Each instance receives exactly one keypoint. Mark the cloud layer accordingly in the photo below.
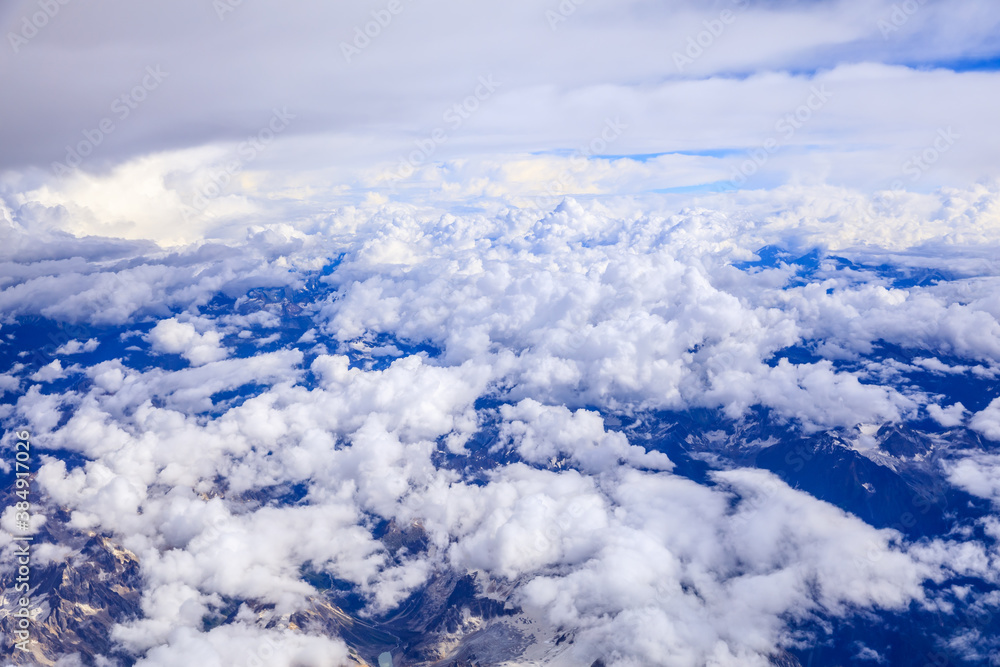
(225, 372)
(324, 300)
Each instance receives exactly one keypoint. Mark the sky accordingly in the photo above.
(325, 247)
(580, 98)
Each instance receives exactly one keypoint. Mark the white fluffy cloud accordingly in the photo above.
(50, 372)
(978, 474)
(544, 434)
(75, 346)
(245, 644)
(8, 383)
(987, 421)
(681, 577)
(567, 315)
(953, 415)
(173, 337)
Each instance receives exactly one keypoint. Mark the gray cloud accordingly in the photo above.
(226, 76)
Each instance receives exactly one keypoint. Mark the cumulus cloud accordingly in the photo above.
(545, 434)
(669, 572)
(75, 346)
(8, 383)
(549, 331)
(50, 372)
(979, 474)
(987, 421)
(953, 415)
(173, 337)
(245, 644)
